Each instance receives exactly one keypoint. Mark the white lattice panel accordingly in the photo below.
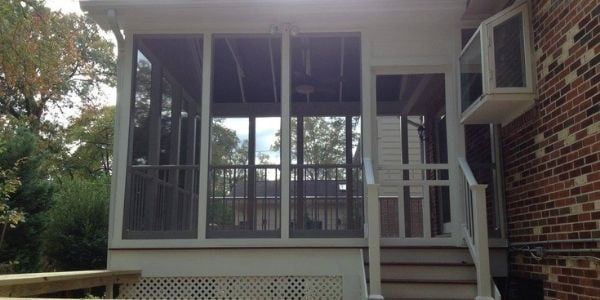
(235, 287)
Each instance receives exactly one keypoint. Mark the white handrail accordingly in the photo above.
(464, 166)
(397, 166)
(373, 230)
(475, 231)
(364, 275)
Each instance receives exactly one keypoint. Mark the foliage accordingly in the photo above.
(324, 142)
(31, 197)
(78, 219)
(9, 184)
(91, 135)
(49, 60)
(324, 139)
(46, 57)
(76, 238)
(220, 214)
(226, 147)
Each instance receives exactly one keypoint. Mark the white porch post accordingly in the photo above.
(285, 134)
(204, 134)
(456, 140)
(374, 242)
(368, 102)
(480, 234)
(121, 140)
(372, 197)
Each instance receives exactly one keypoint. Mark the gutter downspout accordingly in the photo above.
(111, 16)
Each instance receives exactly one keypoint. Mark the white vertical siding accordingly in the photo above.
(389, 149)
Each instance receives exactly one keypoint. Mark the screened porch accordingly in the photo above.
(220, 147)
(240, 174)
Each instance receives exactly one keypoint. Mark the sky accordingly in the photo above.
(266, 130)
(66, 6)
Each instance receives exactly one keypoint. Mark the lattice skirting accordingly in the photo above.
(235, 287)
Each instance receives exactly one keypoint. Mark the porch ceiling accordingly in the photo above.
(481, 9)
(412, 94)
(175, 55)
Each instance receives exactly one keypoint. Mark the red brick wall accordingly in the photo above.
(479, 155)
(551, 153)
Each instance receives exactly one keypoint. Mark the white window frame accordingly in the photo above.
(493, 22)
(490, 92)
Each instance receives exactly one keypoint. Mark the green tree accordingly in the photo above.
(91, 135)
(33, 197)
(9, 184)
(324, 141)
(226, 147)
(49, 58)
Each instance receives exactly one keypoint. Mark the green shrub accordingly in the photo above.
(77, 232)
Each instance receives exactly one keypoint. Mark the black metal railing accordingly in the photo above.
(326, 200)
(161, 202)
(244, 201)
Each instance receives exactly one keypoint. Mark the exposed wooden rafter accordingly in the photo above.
(239, 69)
(274, 81)
(197, 59)
(341, 84)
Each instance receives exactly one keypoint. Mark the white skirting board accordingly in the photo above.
(313, 271)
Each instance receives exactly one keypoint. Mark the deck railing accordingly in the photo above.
(475, 230)
(161, 202)
(244, 201)
(36, 284)
(415, 201)
(326, 200)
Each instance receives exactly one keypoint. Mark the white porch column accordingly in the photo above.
(456, 140)
(372, 232)
(480, 235)
(285, 133)
(121, 140)
(204, 134)
(368, 105)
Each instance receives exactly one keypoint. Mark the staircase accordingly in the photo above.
(427, 273)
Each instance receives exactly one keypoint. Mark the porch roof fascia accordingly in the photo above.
(406, 5)
(97, 8)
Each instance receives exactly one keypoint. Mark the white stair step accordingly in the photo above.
(417, 289)
(426, 255)
(436, 271)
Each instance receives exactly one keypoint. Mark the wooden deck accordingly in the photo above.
(31, 284)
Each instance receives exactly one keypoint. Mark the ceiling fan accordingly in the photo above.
(306, 84)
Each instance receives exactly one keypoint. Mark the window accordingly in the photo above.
(162, 176)
(496, 73)
(471, 79)
(244, 173)
(509, 53)
(141, 109)
(326, 198)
